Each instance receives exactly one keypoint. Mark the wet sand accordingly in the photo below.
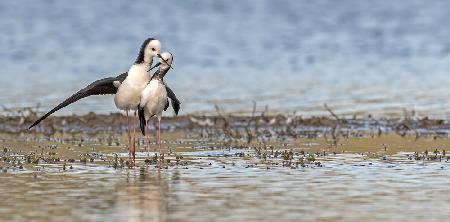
(225, 168)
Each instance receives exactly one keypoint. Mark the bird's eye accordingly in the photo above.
(153, 49)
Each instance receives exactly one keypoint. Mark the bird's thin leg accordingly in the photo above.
(159, 138)
(134, 139)
(147, 136)
(129, 136)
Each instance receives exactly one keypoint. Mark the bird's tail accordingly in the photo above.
(142, 122)
(176, 106)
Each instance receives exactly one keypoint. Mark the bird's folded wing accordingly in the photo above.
(167, 105)
(175, 102)
(99, 87)
(142, 122)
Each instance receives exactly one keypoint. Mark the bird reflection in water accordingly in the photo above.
(146, 196)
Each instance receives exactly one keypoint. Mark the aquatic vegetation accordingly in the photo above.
(289, 141)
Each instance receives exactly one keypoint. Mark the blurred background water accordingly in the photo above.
(377, 57)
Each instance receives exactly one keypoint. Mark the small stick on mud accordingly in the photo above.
(334, 128)
(247, 128)
(332, 113)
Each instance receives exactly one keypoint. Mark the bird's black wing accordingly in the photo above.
(175, 102)
(142, 122)
(99, 87)
(167, 105)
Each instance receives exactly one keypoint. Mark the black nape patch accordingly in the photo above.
(140, 58)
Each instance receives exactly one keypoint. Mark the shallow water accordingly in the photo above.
(356, 56)
(217, 186)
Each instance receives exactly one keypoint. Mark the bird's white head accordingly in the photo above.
(165, 63)
(150, 48)
(165, 60)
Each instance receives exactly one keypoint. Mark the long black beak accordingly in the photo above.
(159, 55)
(156, 65)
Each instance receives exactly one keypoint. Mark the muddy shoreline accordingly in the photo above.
(102, 138)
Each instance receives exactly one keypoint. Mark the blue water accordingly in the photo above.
(377, 57)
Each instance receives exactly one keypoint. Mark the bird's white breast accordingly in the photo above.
(154, 98)
(129, 92)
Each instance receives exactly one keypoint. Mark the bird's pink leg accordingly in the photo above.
(134, 140)
(159, 138)
(147, 136)
(129, 136)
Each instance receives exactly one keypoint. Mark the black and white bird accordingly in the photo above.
(155, 98)
(127, 86)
